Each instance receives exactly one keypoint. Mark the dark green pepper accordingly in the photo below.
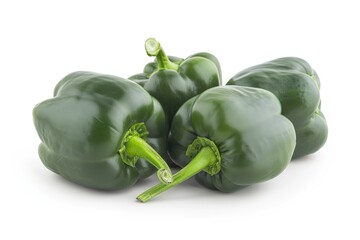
(172, 80)
(297, 86)
(96, 130)
(229, 137)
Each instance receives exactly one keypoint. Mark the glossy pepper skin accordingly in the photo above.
(172, 80)
(96, 130)
(229, 137)
(296, 84)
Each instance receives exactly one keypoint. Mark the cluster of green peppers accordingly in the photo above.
(107, 132)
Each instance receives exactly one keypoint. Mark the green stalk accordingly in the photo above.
(153, 48)
(136, 147)
(205, 158)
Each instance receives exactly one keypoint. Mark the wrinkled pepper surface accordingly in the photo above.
(101, 131)
(296, 84)
(229, 137)
(172, 80)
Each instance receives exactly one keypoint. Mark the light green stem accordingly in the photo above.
(138, 147)
(153, 48)
(206, 157)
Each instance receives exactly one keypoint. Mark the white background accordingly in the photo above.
(316, 197)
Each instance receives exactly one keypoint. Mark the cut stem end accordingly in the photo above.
(152, 47)
(165, 176)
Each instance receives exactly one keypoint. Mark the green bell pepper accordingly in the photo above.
(101, 131)
(297, 86)
(172, 80)
(229, 137)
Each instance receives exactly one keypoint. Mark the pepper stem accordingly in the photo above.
(206, 159)
(138, 147)
(153, 48)
(134, 147)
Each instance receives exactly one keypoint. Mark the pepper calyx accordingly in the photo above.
(195, 147)
(138, 130)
